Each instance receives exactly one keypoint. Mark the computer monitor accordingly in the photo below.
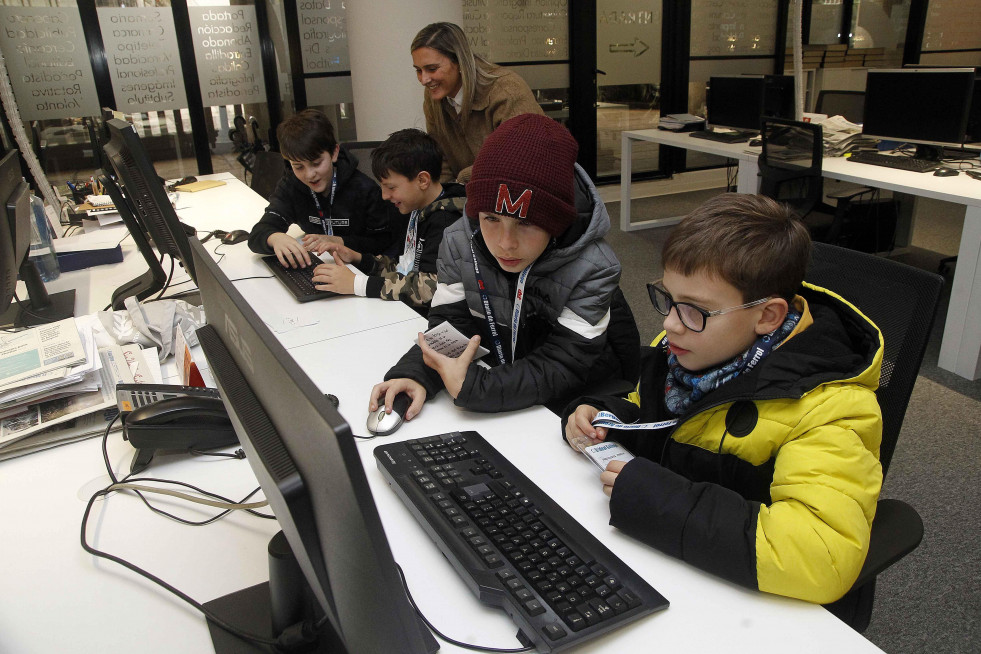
(973, 131)
(154, 279)
(741, 102)
(38, 307)
(146, 193)
(308, 465)
(924, 106)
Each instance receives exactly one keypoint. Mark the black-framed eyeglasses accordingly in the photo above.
(691, 316)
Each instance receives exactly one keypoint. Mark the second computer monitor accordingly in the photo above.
(146, 193)
(742, 101)
(924, 106)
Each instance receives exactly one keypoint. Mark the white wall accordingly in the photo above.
(386, 93)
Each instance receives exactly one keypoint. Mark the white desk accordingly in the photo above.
(960, 349)
(57, 598)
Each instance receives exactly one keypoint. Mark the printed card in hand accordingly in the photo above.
(448, 341)
(602, 453)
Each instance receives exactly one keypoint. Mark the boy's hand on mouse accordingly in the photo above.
(609, 476)
(343, 253)
(453, 372)
(333, 277)
(579, 431)
(389, 389)
(317, 243)
(289, 252)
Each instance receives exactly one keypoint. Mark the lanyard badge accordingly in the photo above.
(326, 223)
(519, 294)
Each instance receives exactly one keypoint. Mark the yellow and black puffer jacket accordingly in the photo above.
(770, 480)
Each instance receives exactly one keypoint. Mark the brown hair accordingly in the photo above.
(450, 41)
(306, 135)
(750, 241)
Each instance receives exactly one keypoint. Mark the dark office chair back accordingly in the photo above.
(790, 164)
(902, 301)
(267, 169)
(362, 152)
(850, 104)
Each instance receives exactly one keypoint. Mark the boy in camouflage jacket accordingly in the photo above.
(408, 164)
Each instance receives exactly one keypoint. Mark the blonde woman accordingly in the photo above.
(466, 96)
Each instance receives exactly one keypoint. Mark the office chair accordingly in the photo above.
(902, 301)
(267, 169)
(361, 150)
(850, 104)
(790, 171)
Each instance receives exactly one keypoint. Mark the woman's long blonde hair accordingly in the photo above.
(450, 41)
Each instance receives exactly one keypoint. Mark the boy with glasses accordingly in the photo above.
(756, 426)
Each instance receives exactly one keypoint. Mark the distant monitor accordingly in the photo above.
(973, 131)
(146, 193)
(742, 101)
(308, 465)
(15, 244)
(926, 106)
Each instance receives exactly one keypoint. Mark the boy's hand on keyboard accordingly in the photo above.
(453, 372)
(317, 243)
(288, 250)
(333, 277)
(609, 477)
(343, 253)
(579, 430)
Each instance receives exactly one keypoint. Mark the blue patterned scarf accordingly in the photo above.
(682, 387)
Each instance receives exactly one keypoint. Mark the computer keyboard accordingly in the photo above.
(522, 552)
(299, 281)
(723, 137)
(900, 162)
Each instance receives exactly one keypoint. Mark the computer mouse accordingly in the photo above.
(235, 236)
(383, 424)
(946, 172)
(754, 143)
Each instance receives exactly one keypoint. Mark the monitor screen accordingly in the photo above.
(929, 106)
(146, 193)
(736, 101)
(15, 232)
(308, 465)
(15, 245)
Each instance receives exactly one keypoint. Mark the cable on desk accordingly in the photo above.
(170, 276)
(163, 584)
(441, 635)
(191, 523)
(190, 498)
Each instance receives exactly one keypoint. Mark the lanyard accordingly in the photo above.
(519, 295)
(407, 262)
(610, 421)
(326, 223)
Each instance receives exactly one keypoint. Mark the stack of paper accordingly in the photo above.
(56, 387)
(841, 136)
(681, 122)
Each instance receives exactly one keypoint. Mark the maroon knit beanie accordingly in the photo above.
(525, 169)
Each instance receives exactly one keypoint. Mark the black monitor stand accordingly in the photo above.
(270, 609)
(41, 307)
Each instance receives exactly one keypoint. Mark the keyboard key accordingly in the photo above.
(553, 631)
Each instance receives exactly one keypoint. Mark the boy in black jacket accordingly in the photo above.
(327, 196)
(408, 164)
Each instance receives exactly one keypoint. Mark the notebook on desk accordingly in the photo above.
(298, 280)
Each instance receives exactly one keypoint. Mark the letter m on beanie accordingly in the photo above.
(518, 207)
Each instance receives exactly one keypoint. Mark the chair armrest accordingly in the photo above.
(896, 531)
